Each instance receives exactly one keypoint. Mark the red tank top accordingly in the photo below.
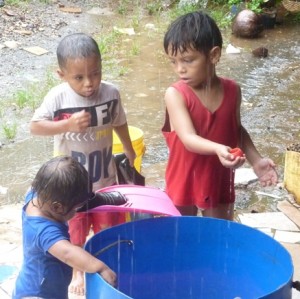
(201, 180)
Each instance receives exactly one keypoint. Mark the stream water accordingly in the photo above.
(270, 107)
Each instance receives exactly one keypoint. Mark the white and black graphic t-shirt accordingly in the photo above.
(92, 148)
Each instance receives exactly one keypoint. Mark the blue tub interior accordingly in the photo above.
(190, 257)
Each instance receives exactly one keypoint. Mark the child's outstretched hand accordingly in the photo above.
(109, 276)
(79, 121)
(266, 172)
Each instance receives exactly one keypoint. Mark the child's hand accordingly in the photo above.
(237, 156)
(236, 152)
(131, 156)
(79, 121)
(266, 172)
(230, 159)
(109, 276)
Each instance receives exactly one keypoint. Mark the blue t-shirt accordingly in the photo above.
(42, 275)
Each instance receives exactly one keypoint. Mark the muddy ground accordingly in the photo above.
(43, 25)
(37, 25)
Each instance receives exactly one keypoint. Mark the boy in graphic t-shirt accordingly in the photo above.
(81, 114)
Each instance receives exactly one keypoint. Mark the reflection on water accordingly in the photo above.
(270, 108)
(19, 164)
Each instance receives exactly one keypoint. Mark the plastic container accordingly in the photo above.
(137, 139)
(190, 258)
(292, 174)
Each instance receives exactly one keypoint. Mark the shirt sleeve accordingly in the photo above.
(51, 234)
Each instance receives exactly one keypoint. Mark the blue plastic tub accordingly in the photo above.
(190, 257)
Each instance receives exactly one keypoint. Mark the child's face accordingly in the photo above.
(83, 75)
(192, 67)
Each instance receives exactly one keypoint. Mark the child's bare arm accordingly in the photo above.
(123, 133)
(181, 123)
(78, 122)
(78, 258)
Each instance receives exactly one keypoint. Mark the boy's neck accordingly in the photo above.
(209, 84)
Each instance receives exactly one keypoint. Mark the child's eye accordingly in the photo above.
(78, 78)
(96, 74)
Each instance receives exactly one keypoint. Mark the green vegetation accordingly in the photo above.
(295, 18)
(135, 49)
(10, 130)
(254, 5)
(154, 7)
(30, 97)
(33, 94)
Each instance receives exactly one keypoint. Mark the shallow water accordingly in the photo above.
(270, 108)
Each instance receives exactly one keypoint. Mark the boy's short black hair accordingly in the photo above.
(74, 46)
(62, 179)
(195, 30)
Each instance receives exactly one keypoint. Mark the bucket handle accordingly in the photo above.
(296, 285)
(128, 242)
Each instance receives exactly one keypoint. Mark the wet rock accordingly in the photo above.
(11, 44)
(98, 11)
(9, 12)
(268, 18)
(244, 176)
(71, 9)
(247, 24)
(260, 52)
(232, 50)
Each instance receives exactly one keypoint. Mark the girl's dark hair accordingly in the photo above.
(62, 179)
(195, 30)
(74, 46)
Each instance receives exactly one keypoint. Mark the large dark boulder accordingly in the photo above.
(247, 24)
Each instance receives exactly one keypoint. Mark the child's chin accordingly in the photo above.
(87, 94)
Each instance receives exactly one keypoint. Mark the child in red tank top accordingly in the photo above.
(203, 124)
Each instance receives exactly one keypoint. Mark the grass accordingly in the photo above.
(30, 97)
(9, 130)
(135, 49)
(33, 94)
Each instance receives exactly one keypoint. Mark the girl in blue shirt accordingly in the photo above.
(60, 187)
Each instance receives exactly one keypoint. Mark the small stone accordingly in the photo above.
(260, 52)
(11, 44)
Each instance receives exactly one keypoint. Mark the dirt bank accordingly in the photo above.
(37, 25)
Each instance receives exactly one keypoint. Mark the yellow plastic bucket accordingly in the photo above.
(292, 174)
(137, 140)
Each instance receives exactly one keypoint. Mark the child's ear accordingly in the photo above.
(60, 74)
(215, 55)
(57, 207)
